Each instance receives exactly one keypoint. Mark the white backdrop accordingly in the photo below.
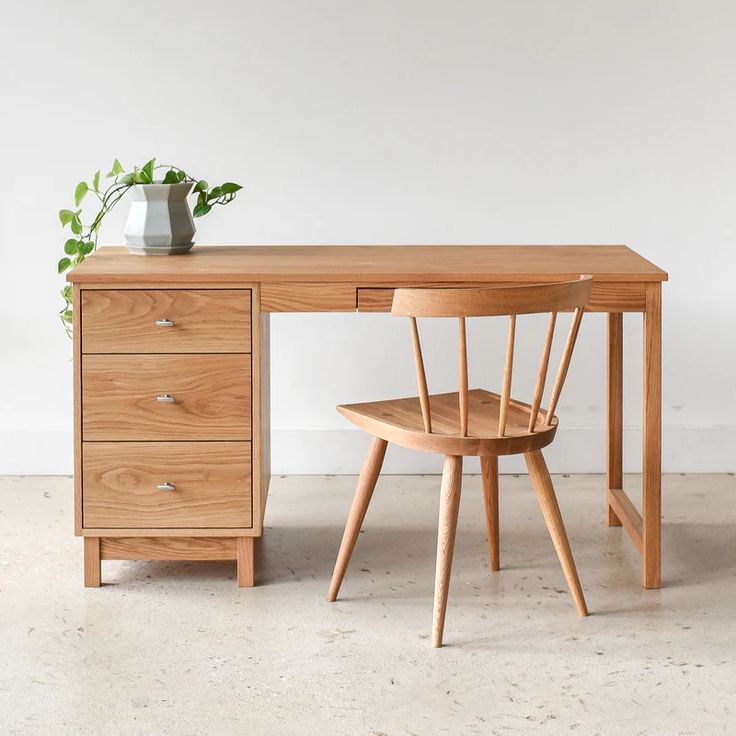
(387, 121)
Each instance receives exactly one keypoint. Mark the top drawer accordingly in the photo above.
(165, 321)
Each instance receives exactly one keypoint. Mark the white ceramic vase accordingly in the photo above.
(160, 221)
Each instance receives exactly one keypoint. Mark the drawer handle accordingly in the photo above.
(165, 323)
(166, 398)
(166, 486)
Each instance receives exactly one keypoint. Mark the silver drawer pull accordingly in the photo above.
(166, 486)
(167, 398)
(165, 323)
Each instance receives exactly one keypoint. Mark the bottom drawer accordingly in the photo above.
(166, 485)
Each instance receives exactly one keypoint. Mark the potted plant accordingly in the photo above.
(160, 221)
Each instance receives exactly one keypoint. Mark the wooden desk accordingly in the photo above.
(222, 293)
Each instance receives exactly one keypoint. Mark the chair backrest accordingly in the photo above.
(497, 301)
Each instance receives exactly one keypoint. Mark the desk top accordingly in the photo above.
(370, 264)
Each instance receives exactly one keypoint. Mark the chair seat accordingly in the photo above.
(400, 421)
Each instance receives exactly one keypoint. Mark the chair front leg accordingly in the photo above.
(449, 506)
(489, 473)
(551, 511)
(363, 493)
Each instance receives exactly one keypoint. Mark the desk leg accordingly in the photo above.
(652, 460)
(92, 565)
(615, 409)
(245, 550)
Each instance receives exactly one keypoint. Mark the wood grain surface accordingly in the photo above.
(168, 548)
(212, 484)
(370, 264)
(205, 321)
(212, 397)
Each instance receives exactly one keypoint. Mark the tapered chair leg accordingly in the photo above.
(548, 503)
(363, 493)
(449, 506)
(489, 473)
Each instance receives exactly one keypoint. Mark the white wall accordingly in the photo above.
(386, 122)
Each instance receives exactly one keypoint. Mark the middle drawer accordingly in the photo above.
(166, 397)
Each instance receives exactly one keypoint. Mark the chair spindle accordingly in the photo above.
(572, 336)
(421, 376)
(507, 371)
(542, 374)
(463, 382)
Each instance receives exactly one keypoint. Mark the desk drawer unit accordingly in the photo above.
(164, 425)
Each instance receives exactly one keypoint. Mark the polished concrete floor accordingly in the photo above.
(176, 648)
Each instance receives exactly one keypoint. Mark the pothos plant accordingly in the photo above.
(85, 233)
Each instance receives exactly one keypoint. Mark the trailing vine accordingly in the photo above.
(85, 234)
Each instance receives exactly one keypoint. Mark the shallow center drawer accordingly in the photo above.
(166, 484)
(166, 397)
(166, 320)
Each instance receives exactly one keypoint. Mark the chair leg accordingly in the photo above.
(449, 506)
(363, 493)
(548, 503)
(489, 472)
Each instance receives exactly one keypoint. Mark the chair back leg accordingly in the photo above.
(363, 493)
(548, 502)
(489, 473)
(449, 507)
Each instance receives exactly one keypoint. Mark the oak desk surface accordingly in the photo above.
(371, 264)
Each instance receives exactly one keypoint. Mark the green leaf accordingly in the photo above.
(201, 186)
(141, 177)
(128, 179)
(182, 175)
(96, 181)
(171, 177)
(201, 209)
(148, 169)
(80, 191)
(71, 246)
(230, 188)
(63, 264)
(86, 248)
(67, 316)
(68, 293)
(116, 169)
(215, 193)
(65, 216)
(76, 224)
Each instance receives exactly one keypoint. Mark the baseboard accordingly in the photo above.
(575, 450)
(36, 452)
(337, 451)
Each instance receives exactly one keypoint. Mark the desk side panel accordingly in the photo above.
(261, 357)
(77, 359)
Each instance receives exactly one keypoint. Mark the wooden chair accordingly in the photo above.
(471, 422)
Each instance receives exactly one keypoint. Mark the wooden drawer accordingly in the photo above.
(135, 321)
(120, 485)
(308, 297)
(121, 397)
(604, 297)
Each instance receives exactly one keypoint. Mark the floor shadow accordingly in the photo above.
(694, 553)
(126, 572)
